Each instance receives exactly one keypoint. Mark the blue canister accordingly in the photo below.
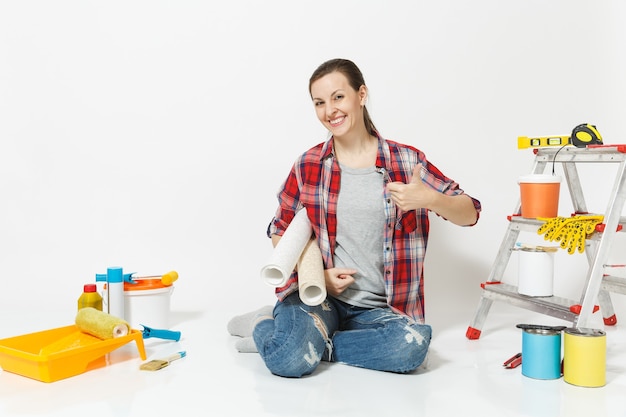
(541, 351)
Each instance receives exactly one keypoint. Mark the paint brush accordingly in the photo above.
(519, 246)
(156, 364)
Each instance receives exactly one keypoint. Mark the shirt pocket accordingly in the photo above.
(407, 223)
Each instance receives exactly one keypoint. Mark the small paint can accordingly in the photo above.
(535, 272)
(584, 357)
(541, 351)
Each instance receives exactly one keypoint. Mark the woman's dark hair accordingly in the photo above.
(355, 78)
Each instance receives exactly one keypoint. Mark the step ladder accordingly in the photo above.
(598, 285)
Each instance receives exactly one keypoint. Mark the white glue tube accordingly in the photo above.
(115, 289)
(287, 252)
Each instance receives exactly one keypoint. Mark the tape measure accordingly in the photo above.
(585, 134)
(582, 135)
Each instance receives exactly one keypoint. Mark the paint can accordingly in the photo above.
(539, 195)
(541, 351)
(147, 303)
(535, 272)
(584, 357)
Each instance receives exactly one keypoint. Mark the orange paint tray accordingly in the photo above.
(60, 353)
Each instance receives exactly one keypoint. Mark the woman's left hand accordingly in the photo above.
(411, 196)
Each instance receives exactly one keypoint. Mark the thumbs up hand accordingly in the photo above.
(414, 195)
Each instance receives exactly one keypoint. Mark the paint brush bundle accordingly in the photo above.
(100, 324)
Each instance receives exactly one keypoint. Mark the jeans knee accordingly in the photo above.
(418, 341)
(418, 334)
(297, 363)
(299, 352)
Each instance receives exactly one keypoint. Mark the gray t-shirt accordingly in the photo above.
(360, 223)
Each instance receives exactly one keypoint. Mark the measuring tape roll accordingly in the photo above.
(585, 134)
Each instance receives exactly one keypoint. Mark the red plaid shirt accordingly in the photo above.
(313, 183)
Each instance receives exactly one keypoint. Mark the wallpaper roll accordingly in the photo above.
(100, 324)
(311, 275)
(287, 252)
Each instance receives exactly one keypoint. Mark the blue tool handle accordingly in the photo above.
(129, 278)
(161, 334)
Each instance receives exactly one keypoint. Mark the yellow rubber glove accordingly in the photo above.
(571, 232)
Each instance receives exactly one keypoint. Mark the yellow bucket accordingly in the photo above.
(584, 357)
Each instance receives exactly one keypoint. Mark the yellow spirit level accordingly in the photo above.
(524, 142)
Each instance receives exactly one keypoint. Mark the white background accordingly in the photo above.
(153, 135)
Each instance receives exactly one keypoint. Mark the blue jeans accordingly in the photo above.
(301, 336)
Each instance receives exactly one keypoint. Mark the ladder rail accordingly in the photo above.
(611, 221)
(604, 297)
(495, 275)
(605, 153)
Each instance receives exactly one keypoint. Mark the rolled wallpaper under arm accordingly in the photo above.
(287, 252)
(297, 248)
(311, 275)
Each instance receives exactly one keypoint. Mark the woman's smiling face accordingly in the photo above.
(338, 106)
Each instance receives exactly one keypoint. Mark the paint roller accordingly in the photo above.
(100, 324)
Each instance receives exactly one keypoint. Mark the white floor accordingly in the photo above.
(463, 377)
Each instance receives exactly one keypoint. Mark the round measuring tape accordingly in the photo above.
(585, 134)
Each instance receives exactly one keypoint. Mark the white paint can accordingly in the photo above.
(535, 272)
(147, 303)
